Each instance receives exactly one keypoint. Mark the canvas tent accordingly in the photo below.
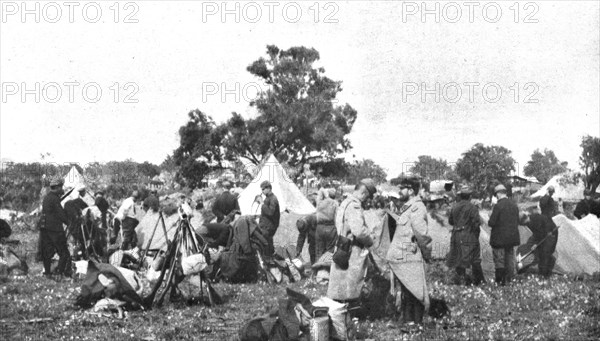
(72, 180)
(577, 250)
(563, 189)
(288, 194)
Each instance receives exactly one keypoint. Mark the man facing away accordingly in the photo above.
(225, 204)
(52, 233)
(464, 244)
(326, 232)
(346, 285)
(504, 222)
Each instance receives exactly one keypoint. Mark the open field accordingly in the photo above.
(561, 308)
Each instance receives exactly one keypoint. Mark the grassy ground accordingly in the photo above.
(529, 309)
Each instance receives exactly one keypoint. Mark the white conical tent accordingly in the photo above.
(563, 189)
(288, 194)
(72, 180)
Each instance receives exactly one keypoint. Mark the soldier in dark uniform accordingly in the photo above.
(74, 209)
(547, 204)
(269, 215)
(542, 227)
(465, 251)
(151, 202)
(307, 227)
(586, 206)
(52, 234)
(225, 204)
(504, 222)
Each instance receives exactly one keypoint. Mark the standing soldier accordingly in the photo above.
(326, 232)
(269, 216)
(225, 204)
(345, 284)
(464, 243)
(504, 222)
(547, 204)
(126, 219)
(52, 233)
(410, 247)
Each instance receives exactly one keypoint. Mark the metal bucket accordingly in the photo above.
(319, 328)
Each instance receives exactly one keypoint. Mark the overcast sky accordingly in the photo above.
(178, 56)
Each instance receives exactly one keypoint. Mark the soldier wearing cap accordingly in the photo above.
(52, 234)
(410, 237)
(464, 244)
(126, 218)
(346, 285)
(547, 204)
(225, 204)
(504, 222)
(269, 215)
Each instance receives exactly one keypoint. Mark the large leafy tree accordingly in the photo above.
(590, 161)
(431, 168)
(297, 119)
(482, 165)
(544, 165)
(365, 169)
(199, 150)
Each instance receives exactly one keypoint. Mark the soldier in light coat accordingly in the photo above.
(346, 285)
(410, 247)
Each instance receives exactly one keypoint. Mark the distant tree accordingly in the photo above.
(590, 161)
(199, 150)
(544, 165)
(336, 168)
(481, 165)
(148, 170)
(365, 169)
(297, 120)
(431, 168)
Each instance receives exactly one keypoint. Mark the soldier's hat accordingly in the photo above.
(499, 188)
(56, 182)
(370, 185)
(465, 189)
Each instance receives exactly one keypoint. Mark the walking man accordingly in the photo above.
(52, 233)
(504, 222)
(464, 244)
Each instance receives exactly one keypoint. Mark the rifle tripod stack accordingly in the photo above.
(185, 243)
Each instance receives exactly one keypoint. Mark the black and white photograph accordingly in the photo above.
(299, 170)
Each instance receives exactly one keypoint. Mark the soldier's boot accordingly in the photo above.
(459, 276)
(478, 277)
(501, 276)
